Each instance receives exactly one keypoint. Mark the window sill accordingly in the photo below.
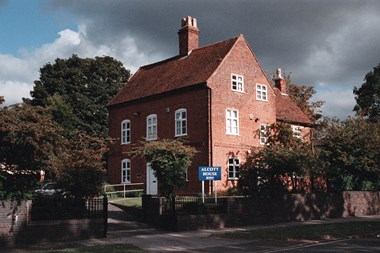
(182, 135)
(238, 91)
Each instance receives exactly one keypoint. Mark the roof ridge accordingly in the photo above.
(176, 57)
(219, 42)
(175, 72)
(229, 51)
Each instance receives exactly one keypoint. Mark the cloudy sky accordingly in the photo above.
(330, 44)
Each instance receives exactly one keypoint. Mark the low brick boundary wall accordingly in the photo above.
(357, 203)
(13, 218)
(39, 232)
(282, 208)
(17, 229)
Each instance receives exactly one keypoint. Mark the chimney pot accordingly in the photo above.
(280, 82)
(279, 73)
(188, 35)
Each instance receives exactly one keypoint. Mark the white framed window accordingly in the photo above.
(233, 168)
(261, 92)
(237, 83)
(297, 131)
(126, 171)
(125, 131)
(181, 122)
(151, 127)
(263, 134)
(232, 121)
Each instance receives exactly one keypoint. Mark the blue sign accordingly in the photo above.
(209, 173)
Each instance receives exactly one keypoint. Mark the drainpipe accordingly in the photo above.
(210, 163)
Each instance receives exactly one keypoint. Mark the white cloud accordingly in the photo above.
(18, 73)
(13, 91)
(339, 101)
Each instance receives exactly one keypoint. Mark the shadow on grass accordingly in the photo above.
(318, 232)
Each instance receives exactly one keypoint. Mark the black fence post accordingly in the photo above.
(172, 205)
(105, 215)
(173, 222)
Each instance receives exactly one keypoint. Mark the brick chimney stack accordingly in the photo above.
(188, 35)
(280, 82)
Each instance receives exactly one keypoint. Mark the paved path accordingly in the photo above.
(124, 230)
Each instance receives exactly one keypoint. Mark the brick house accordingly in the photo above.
(216, 96)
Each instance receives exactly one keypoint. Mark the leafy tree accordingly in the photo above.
(1, 100)
(301, 95)
(78, 90)
(84, 167)
(30, 141)
(368, 96)
(170, 160)
(268, 169)
(351, 150)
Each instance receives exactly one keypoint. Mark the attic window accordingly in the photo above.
(237, 83)
(261, 92)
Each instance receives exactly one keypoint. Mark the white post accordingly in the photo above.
(203, 191)
(216, 191)
(124, 190)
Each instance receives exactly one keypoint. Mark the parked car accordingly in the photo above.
(49, 189)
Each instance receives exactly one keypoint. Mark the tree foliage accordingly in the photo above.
(30, 141)
(78, 91)
(170, 160)
(302, 95)
(368, 96)
(267, 170)
(62, 129)
(351, 150)
(84, 166)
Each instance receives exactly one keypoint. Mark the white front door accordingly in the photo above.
(151, 181)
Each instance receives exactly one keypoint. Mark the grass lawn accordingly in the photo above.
(128, 202)
(311, 231)
(115, 248)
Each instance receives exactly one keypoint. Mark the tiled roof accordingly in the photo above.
(287, 110)
(194, 69)
(175, 73)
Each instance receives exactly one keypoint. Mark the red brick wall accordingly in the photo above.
(196, 103)
(16, 228)
(282, 208)
(357, 203)
(239, 61)
(13, 218)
